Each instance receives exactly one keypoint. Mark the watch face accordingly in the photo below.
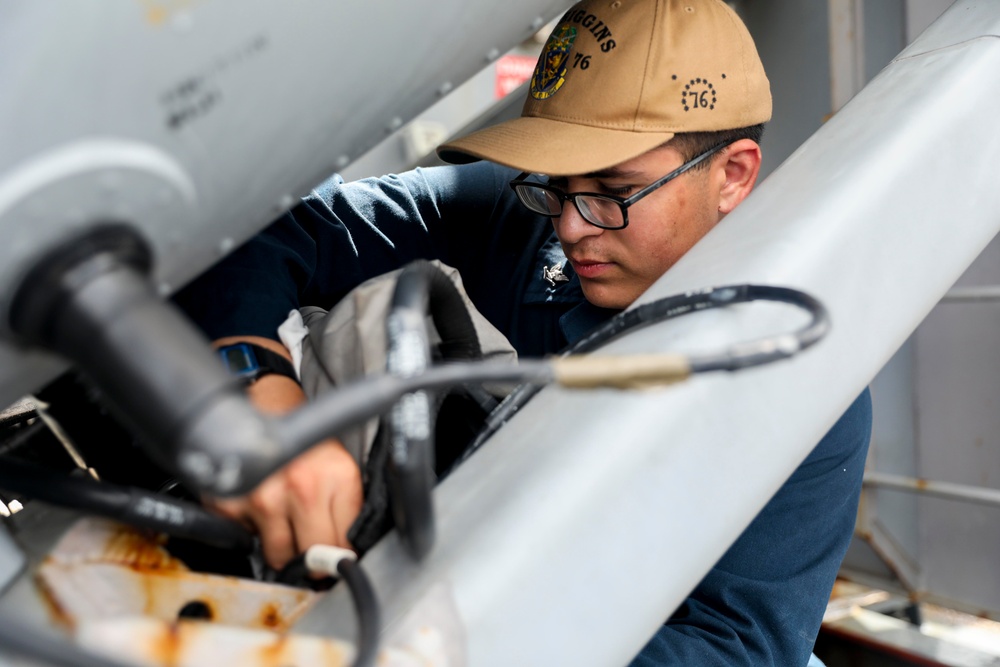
(239, 359)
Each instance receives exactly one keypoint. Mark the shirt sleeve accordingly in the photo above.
(763, 602)
(339, 236)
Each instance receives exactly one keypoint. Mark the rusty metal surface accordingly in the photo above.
(148, 641)
(101, 570)
(118, 592)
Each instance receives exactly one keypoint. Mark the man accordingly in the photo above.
(639, 134)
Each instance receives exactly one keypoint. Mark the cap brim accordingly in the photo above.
(545, 146)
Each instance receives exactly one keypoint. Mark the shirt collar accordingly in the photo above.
(554, 281)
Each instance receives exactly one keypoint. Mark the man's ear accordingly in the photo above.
(740, 164)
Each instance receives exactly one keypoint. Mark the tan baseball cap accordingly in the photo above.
(617, 78)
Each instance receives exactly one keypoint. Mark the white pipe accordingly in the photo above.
(966, 492)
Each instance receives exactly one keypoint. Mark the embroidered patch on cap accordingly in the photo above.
(550, 73)
(699, 94)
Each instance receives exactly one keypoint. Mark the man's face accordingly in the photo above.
(616, 266)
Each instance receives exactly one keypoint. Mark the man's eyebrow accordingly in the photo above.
(613, 172)
(610, 172)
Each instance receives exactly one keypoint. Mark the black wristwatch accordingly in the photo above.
(252, 362)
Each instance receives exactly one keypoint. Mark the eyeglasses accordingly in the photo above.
(604, 211)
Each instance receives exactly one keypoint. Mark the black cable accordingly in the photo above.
(336, 561)
(738, 356)
(132, 506)
(672, 307)
(335, 411)
(421, 289)
(410, 464)
(367, 609)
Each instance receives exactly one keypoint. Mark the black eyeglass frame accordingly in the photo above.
(622, 202)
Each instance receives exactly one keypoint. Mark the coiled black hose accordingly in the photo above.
(742, 355)
(421, 289)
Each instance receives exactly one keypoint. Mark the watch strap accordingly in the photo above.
(255, 361)
(272, 362)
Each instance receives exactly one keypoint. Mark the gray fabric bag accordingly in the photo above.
(349, 342)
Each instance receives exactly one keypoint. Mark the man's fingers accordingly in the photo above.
(323, 506)
(277, 541)
(312, 500)
(267, 508)
(312, 521)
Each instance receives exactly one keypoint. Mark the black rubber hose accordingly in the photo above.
(421, 288)
(367, 609)
(738, 356)
(426, 289)
(134, 507)
(771, 348)
(333, 412)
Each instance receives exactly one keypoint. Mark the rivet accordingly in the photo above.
(343, 161)
(285, 202)
(395, 124)
(445, 88)
(163, 289)
(537, 23)
(689, 9)
(225, 245)
(492, 55)
(616, 4)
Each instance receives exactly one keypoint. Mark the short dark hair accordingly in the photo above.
(692, 144)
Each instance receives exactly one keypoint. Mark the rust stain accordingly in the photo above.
(140, 552)
(166, 648)
(270, 617)
(921, 484)
(158, 12)
(58, 613)
(276, 654)
(156, 15)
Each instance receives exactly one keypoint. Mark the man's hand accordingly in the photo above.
(314, 499)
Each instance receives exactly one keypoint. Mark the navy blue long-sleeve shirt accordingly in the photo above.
(763, 602)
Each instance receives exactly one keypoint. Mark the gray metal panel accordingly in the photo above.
(533, 528)
(199, 122)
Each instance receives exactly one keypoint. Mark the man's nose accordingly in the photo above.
(570, 225)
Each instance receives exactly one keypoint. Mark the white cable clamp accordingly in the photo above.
(323, 558)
